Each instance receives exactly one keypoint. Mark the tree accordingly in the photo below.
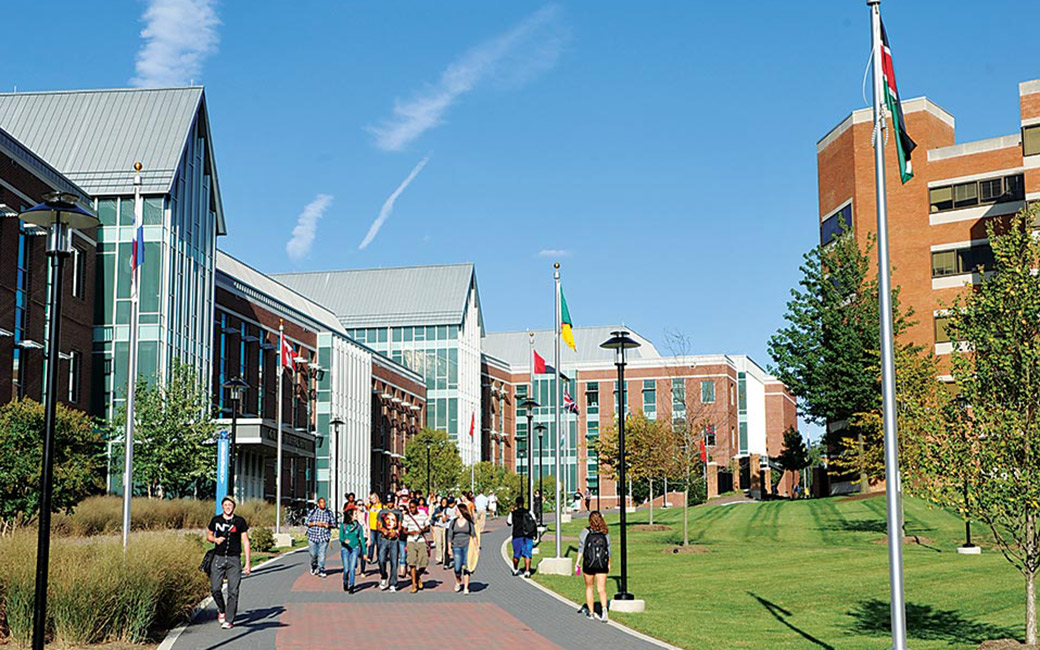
(996, 366)
(173, 432)
(505, 484)
(445, 461)
(829, 353)
(646, 449)
(794, 457)
(687, 434)
(79, 462)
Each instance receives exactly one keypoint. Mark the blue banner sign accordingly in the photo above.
(223, 458)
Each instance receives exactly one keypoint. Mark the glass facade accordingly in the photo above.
(742, 424)
(545, 395)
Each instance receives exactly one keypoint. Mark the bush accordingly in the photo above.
(103, 515)
(261, 539)
(96, 594)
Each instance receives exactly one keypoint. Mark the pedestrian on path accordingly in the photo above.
(351, 547)
(416, 525)
(230, 534)
(389, 526)
(463, 529)
(402, 547)
(492, 505)
(525, 529)
(372, 514)
(440, 527)
(594, 551)
(480, 506)
(320, 522)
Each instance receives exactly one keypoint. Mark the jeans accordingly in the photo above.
(229, 566)
(317, 551)
(402, 549)
(388, 560)
(373, 544)
(349, 557)
(459, 556)
(439, 542)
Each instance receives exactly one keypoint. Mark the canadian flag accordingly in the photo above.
(539, 363)
(288, 354)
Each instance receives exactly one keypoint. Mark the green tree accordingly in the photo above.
(505, 484)
(445, 461)
(646, 448)
(794, 457)
(79, 461)
(996, 366)
(173, 432)
(829, 354)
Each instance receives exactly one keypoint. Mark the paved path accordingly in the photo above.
(286, 608)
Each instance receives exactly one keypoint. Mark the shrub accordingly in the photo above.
(103, 515)
(261, 539)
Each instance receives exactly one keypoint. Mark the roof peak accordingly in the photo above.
(97, 90)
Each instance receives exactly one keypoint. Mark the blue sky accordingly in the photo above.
(668, 151)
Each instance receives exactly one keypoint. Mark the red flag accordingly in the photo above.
(704, 452)
(288, 354)
(472, 421)
(539, 364)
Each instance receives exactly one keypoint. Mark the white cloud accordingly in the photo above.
(554, 252)
(514, 57)
(178, 36)
(299, 245)
(388, 205)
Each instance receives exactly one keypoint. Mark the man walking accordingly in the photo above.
(320, 522)
(525, 529)
(230, 533)
(440, 526)
(389, 526)
(416, 524)
(481, 504)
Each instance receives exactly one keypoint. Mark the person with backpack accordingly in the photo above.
(389, 534)
(525, 529)
(351, 547)
(230, 534)
(594, 551)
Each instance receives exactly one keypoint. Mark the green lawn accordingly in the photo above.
(808, 574)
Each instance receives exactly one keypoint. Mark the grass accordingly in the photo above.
(808, 575)
(103, 515)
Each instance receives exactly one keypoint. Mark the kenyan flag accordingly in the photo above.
(904, 145)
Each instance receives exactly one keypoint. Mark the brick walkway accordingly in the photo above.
(284, 607)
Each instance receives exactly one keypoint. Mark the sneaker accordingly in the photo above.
(584, 610)
(322, 574)
(415, 589)
(603, 618)
(226, 625)
(516, 572)
(589, 615)
(458, 587)
(466, 591)
(382, 585)
(314, 571)
(220, 617)
(346, 588)
(527, 574)
(393, 587)
(421, 585)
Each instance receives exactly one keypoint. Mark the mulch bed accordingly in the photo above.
(1005, 644)
(686, 550)
(651, 527)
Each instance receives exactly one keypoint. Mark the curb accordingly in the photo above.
(563, 599)
(174, 634)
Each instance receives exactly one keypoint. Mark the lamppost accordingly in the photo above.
(59, 213)
(429, 479)
(968, 547)
(237, 388)
(529, 405)
(334, 462)
(540, 428)
(619, 341)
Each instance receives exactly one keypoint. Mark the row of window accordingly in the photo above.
(971, 259)
(373, 335)
(971, 193)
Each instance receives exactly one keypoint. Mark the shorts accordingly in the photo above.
(589, 572)
(417, 555)
(523, 547)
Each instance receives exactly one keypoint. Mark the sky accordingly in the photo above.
(664, 156)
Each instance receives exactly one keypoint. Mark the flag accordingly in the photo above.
(137, 247)
(539, 363)
(704, 452)
(472, 423)
(565, 323)
(568, 402)
(288, 359)
(904, 145)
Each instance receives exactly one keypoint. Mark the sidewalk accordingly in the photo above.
(284, 607)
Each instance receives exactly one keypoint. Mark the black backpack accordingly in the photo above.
(596, 558)
(529, 526)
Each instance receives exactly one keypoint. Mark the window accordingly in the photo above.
(1031, 140)
(678, 397)
(78, 272)
(592, 397)
(75, 368)
(650, 398)
(971, 193)
(962, 260)
(836, 224)
(707, 392)
(942, 335)
(709, 435)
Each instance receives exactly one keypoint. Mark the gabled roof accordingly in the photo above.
(94, 137)
(514, 347)
(391, 297)
(38, 167)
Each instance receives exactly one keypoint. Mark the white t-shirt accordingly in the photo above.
(413, 524)
(481, 502)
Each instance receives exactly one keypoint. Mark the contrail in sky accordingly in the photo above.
(388, 206)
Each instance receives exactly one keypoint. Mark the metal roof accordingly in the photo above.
(23, 156)
(94, 137)
(391, 297)
(514, 349)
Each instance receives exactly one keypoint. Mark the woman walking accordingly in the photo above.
(462, 529)
(351, 547)
(594, 551)
(374, 506)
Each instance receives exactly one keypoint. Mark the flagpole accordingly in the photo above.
(472, 450)
(530, 437)
(278, 462)
(893, 488)
(131, 382)
(559, 399)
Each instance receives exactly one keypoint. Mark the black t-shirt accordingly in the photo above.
(232, 530)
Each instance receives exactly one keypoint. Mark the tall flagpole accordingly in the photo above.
(893, 490)
(131, 381)
(559, 400)
(530, 437)
(278, 462)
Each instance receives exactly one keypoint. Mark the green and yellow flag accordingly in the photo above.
(565, 322)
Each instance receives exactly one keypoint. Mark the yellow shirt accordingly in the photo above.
(373, 516)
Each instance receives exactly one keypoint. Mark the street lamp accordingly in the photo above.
(540, 428)
(620, 341)
(334, 462)
(968, 547)
(59, 213)
(529, 405)
(429, 481)
(237, 388)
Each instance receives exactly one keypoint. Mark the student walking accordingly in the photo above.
(440, 527)
(416, 524)
(320, 522)
(389, 527)
(594, 551)
(372, 514)
(525, 529)
(402, 546)
(230, 534)
(463, 528)
(351, 547)
(480, 506)
(492, 505)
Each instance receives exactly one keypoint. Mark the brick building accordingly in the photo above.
(24, 269)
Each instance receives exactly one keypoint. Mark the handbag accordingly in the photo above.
(207, 561)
